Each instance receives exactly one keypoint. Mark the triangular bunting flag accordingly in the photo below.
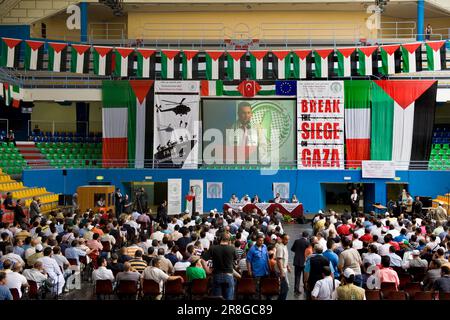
(234, 64)
(102, 60)
(344, 61)
(256, 64)
(10, 54)
(365, 60)
(122, 61)
(168, 63)
(34, 52)
(57, 55)
(79, 58)
(144, 62)
(187, 63)
(212, 64)
(410, 54)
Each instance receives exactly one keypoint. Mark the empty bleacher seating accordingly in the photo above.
(11, 161)
(71, 155)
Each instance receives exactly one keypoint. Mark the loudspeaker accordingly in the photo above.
(61, 200)
(64, 172)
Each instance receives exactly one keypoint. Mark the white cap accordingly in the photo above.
(39, 247)
(348, 272)
(416, 253)
(186, 211)
(215, 210)
(211, 211)
(320, 211)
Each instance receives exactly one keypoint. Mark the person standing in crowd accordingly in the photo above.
(161, 214)
(258, 260)
(223, 256)
(350, 258)
(354, 202)
(35, 209)
(118, 202)
(282, 267)
(417, 207)
(324, 288)
(314, 269)
(299, 248)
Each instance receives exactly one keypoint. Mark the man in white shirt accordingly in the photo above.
(156, 274)
(371, 257)
(158, 235)
(53, 271)
(396, 260)
(102, 273)
(323, 289)
(10, 255)
(15, 280)
(36, 274)
(204, 240)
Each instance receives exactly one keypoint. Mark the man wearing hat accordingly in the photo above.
(416, 261)
(31, 260)
(347, 290)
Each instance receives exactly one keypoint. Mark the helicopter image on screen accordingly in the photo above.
(179, 108)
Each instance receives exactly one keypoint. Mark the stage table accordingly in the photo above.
(295, 210)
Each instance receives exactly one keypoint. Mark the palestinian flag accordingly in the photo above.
(144, 57)
(212, 59)
(357, 121)
(102, 60)
(257, 64)
(125, 122)
(168, 63)
(211, 88)
(2, 93)
(248, 88)
(122, 66)
(323, 60)
(34, 54)
(139, 105)
(7, 94)
(412, 57)
(435, 55)
(366, 60)
(301, 67)
(187, 57)
(57, 55)
(388, 59)
(235, 63)
(345, 61)
(79, 62)
(402, 120)
(10, 53)
(283, 63)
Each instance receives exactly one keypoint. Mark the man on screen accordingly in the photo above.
(250, 138)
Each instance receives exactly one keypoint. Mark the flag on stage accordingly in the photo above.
(256, 64)
(286, 87)
(322, 62)
(212, 64)
(388, 59)
(187, 59)
(365, 60)
(168, 63)
(122, 65)
(283, 63)
(344, 56)
(411, 55)
(234, 64)
(435, 55)
(211, 88)
(300, 64)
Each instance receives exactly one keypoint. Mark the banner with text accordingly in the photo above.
(378, 169)
(173, 196)
(320, 124)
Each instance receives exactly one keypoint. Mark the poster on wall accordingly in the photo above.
(176, 124)
(320, 124)
(282, 188)
(214, 190)
(378, 169)
(197, 185)
(173, 196)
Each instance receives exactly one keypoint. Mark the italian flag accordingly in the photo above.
(168, 63)
(357, 121)
(248, 88)
(102, 60)
(10, 56)
(365, 60)
(234, 64)
(125, 119)
(435, 55)
(187, 58)
(283, 64)
(143, 62)
(57, 53)
(122, 61)
(321, 60)
(34, 51)
(212, 64)
(211, 88)
(256, 64)
(388, 59)
(344, 61)
(79, 62)
(402, 120)
(411, 53)
(300, 66)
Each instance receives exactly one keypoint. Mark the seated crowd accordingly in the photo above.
(230, 255)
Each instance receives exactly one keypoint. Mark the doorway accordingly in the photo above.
(394, 191)
(337, 196)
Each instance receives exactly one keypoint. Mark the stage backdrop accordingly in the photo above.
(320, 124)
(176, 124)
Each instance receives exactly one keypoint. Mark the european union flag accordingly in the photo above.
(286, 87)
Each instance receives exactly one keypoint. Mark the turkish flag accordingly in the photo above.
(249, 88)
